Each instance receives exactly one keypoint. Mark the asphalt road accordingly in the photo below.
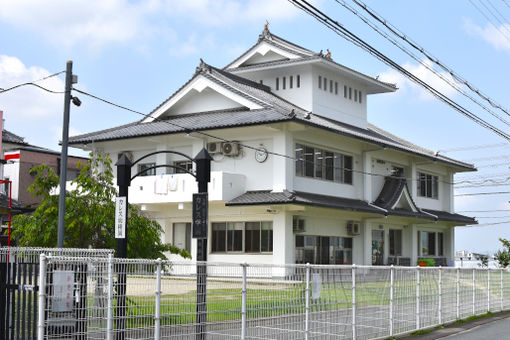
(499, 329)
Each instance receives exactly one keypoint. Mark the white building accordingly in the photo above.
(330, 188)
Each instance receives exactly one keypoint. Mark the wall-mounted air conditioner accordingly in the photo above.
(230, 148)
(214, 147)
(353, 228)
(298, 224)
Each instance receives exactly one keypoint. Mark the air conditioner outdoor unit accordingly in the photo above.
(214, 147)
(298, 224)
(353, 228)
(230, 148)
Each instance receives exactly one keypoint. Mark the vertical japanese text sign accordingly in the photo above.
(120, 217)
(200, 214)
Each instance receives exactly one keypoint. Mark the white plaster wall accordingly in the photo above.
(11, 171)
(207, 100)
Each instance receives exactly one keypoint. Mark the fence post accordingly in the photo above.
(243, 303)
(353, 273)
(392, 282)
(417, 297)
(457, 303)
(157, 316)
(109, 311)
(488, 290)
(474, 291)
(307, 301)
(42, 296)
(440, 297)
(501, 286)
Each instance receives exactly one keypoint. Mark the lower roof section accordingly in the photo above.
(267, 197)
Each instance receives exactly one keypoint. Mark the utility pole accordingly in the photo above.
(63, 156)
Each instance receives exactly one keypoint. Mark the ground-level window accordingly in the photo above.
(144, 169)
(248, 237)
(323, 249)
(431, 243)
(395, 242)
(182, 235)
(427, 185)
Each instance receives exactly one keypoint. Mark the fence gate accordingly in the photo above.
(19, 277)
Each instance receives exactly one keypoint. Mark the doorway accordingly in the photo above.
(377, 247)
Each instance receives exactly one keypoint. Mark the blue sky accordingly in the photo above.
(137, 53)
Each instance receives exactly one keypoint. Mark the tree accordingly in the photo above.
(503, 255)
(90, 214)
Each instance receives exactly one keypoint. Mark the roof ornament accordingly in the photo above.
(328, 55)
(265, 33)
(203, 67)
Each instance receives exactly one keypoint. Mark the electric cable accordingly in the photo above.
(489, 20)
(343, 32)
(32, 83)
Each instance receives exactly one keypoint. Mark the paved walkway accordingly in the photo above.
(453, 331)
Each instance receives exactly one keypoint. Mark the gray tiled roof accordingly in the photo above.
(449, 217)
(9, 137)
(275, 109)
(264, 197)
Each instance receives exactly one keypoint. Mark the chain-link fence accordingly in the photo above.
(19, 278)
(107, 298)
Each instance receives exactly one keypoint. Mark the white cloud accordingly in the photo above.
(28, 111)
(423, 73)
(497, 36)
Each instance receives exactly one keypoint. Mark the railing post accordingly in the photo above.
(42, 297)
(307, 301)
(417, 297)
(392, 282)
(457, 303)
(157, 314)
(488, 290)
(440, 297)
(501, 287)
(109, 310)
(474, 291)
(243, 303)
(353, 273)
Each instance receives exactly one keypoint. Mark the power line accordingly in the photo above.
(489, 20)
(474, 147)
(494, 15)
(346, 34)
(482, 211)
(194, 130)
(483, 224)
(490, 158)
(32, 83)
(394, 30)
(484, 193)
(444, 78)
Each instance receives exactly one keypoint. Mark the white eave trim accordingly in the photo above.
(263, 48)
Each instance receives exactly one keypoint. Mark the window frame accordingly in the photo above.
(143, 166)
(220, 236)
(427, 185)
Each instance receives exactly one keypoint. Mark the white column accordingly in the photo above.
(367, 178)
(283, 168)
(283, 238)
(367, 243)
(413, 243)
(412, 181)
(163, 158)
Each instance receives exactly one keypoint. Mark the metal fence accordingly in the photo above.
(19, 277)
(79, 298)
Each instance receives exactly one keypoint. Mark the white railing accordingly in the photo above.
(250, 301)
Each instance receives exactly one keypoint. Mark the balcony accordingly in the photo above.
(177, 188)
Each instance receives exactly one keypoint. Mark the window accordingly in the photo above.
(182, 235)
(291, 82)
(355, 95)
(325, 84)
(298, 81)
(395, 242)
(430, 245)
(359, 96)
(336, 87)
(323, 249)
(248, 237)
(345, 91)
(143, 169)
(277, 84)
(350, 92)
(188, 165)
(320, 82)
(331, 86)
(284, 83)
(323, 164)
(427, 185)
